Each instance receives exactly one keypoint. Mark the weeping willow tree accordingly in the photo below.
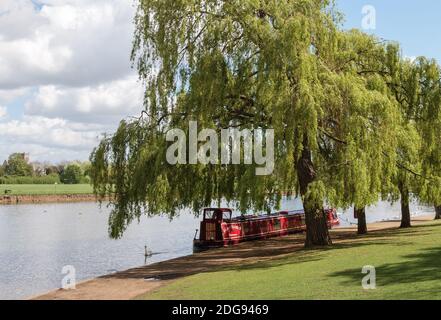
(415, 88)
(404, 88)
(249, 64)
(415, 149)
(364, 168)
(428, 121)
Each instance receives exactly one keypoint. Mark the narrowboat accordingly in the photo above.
(219, 229)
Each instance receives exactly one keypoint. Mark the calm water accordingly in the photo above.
(36, 241)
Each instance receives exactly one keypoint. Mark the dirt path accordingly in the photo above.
(134, 282)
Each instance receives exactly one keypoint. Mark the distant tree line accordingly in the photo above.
(18, 170)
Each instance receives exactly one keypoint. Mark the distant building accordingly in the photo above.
(39, 168)
(24, 156)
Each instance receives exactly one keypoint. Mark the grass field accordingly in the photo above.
(407, 262)
(46, 189)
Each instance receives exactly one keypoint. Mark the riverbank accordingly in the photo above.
(214, 274)
(36, 199)
(36, 193)
(44, 189)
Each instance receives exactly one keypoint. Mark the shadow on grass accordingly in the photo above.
(344, 240)
(271, 253)
(415, 268)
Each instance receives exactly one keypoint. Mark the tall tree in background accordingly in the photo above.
(71, 174)
(415, 86)
(428, 122)
(255, 65)
(367, 167)
(17, 165)
(3, 168)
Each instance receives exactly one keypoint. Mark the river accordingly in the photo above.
(37, 241)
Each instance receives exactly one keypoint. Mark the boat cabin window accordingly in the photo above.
(226, 215)
(209, 214)
(216, 214)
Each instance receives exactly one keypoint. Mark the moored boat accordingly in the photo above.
(219, 229)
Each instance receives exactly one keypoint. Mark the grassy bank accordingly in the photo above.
(407, 265)
(46, 189)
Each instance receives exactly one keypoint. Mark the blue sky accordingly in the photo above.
(416, 25)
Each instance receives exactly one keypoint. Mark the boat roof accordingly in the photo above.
(271, 215)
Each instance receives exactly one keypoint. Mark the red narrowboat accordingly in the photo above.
(219, 229)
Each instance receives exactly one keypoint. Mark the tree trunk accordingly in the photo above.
(361, 216)
(405, 207)
(317, 233)
(438, 212)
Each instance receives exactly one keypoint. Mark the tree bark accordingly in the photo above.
(438, 212)
(361, 216)
(405, 207)
(317, 233)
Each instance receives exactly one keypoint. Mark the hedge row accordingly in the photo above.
(49, 179)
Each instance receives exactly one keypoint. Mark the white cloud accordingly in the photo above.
(53, 132)
(64, 64)
(7, 96)
(3, 112)
(74, 43)
(38, 135)
(104, 103)
(18, 19)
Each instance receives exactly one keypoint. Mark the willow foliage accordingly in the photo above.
(252, 64)
(427, 117)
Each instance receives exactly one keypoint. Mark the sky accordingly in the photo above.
(66, 77)
(415, 24)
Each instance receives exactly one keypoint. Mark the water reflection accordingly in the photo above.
(36, 241)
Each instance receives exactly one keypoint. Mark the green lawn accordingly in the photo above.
(45, 189)
(407, 262)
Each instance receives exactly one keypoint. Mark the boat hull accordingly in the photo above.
(199, 245)
(218, 231)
